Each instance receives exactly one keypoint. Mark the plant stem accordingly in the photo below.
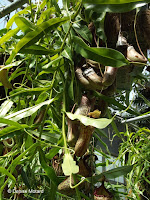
(63, 120)
(76, 188)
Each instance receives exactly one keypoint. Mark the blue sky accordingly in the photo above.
(4, 3)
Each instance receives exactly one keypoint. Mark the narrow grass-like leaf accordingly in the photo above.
(8, 35)
(97, 123)
(51, 137)
(11, 131)
(105, 56)
(4, 171)
(16, 63)
(5, 107)
(49, 170)
(27, 112)
(9, 122)
(38, 50)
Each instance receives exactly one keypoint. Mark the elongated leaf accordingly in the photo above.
(11, 131)
(111, 1)
(16, 63)
(38, 50)
(83, 31)
(97, 123)
(24, 24)
(51, 137)
(115, 8)
(30, 91)
(33, 36)
(8, 35)
(53, 62)
(5, 107)
(4, 171)
(9, 122)
(49, 170)
(105, 56)
(26, 112)
(24, 11)
(45, 14)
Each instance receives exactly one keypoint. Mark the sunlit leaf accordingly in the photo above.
(24, 11)
(5, 107)
(33, 36)
(24, 24)
(69, 165)
(8, 35)
(26, 112)
(97, 123)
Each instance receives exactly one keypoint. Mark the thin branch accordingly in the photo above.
(13, 6)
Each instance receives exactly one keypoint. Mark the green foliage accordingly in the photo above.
(105, 56)
(41, 56)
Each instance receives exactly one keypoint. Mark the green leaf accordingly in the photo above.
(24, 24)
(38, 50)
(4, 171)
(83, 31)
(69, 165)
(24, 11)
(115, 8)
(5, 107)
(8, 35)
(111, 1)
(16, 63)
(52, 153)
(9, 122)
(33, 36)
(105, 56)
(53, 62)
(49, 170)
(11, 131)
(52, 138)
(97, 123)
(27, 112)
(99, 21)
(46, 13)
